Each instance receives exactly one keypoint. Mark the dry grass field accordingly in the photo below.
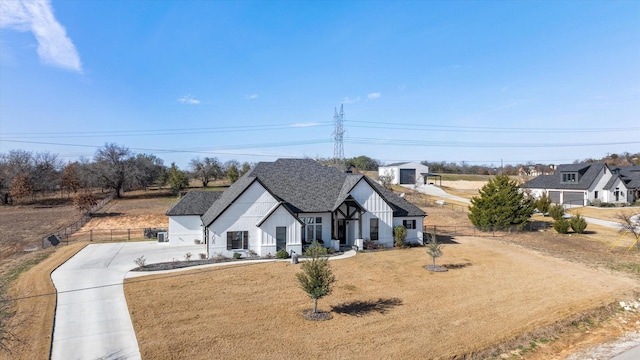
(385, 305)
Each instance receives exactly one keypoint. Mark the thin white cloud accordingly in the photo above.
(373, 96)
(307, 124)
(54, 46)
(188, 99)
(348, 100)
(252, 96)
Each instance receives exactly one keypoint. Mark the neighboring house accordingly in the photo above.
(407, 173)
(535, 170)
(185, 223)
(290, 203)
(582, 184)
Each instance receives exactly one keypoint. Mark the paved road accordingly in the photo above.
(437, 191)
(92, 318)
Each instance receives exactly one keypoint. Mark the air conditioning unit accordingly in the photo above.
(162, 236)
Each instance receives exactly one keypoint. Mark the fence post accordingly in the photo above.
(91, 235)
(128, 234)
(111, 232)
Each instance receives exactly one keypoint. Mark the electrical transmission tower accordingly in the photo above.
(338, 135)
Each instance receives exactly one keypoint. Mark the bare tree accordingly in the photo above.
(84, 201)
(206, 170)
(45, 171)
(113, 165)
(630, 225)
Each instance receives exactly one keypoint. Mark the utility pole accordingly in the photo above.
(338, 136)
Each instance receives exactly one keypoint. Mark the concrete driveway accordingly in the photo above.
(92, 319)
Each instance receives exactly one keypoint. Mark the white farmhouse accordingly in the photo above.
(289, 203)
(406, 173)
(583, 184)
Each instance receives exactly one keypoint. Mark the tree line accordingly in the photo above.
(26, 175)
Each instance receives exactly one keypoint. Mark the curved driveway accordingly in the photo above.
(92, 319)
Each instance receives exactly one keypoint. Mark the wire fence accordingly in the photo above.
(452, 231)
(109, 235)
(62, 234)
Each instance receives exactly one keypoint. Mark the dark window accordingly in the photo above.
(281, 238)
(595, 194)
(409, 224)
(237, 240)
(568, 177)
(373, 228)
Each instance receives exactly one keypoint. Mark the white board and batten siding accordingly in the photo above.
(280, 218)
(413, 235)
(185, 230)
(242, 215)
(376, 207)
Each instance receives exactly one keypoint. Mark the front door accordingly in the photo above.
(342, 231)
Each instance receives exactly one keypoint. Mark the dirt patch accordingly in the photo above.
(508, 291)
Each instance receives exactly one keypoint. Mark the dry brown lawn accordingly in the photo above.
(35, 306)
(610, 214)
(385, 305)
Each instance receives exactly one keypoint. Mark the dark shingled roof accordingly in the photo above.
(630, 175)
(587, 174)
(194, 203)
(304, 185)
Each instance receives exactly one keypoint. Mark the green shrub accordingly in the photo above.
(543, 203)
(556, 212)
(282, 254)
(236, 255)
(561, 226)
(399, 234)
(596, 202)
(578, 224)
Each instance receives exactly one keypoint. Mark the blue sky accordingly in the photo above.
(474, 81)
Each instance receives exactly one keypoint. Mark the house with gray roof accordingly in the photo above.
(582, 184)
(290, 203)
(185, 223)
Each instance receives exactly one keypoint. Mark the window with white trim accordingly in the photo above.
(313, 228)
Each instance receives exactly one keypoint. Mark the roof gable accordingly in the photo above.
(304, 186)
(194, 203)
(588, 173)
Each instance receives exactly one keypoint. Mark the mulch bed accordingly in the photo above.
(320, 315)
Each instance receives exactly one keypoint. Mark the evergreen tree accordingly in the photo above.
(500, 205)
(316, 278)
(178, 180)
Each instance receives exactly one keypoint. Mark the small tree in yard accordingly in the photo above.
(434, 249)
(316, 278)
(399, 234)
(629, 226)
(543, 203)
(556, 212)
(500, 205)
(561, 225)
(578, 224)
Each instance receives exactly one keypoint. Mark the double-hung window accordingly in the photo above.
(237, 240)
